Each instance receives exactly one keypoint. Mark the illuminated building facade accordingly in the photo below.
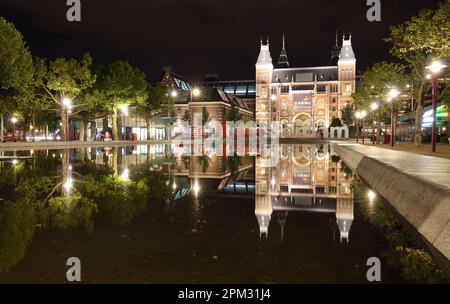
(304, 96)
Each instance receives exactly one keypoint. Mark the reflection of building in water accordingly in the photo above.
(263, 203)
(306, 178)
(210, 174)
(344, 216)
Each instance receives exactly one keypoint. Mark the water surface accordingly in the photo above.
(146, 214)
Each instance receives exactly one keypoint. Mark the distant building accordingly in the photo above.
(244, 89)
(216, 100)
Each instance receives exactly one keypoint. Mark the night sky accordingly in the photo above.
(206, 36)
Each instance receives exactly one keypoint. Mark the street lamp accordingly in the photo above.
(393, 94)
(196, 92)
(14, 121)
(374, 106)
(435, 68)
(360, 115)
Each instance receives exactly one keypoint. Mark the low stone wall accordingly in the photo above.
(422, 203)
(44, 145)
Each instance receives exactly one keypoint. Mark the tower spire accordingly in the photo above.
(336, 38)
(283, 61)
(335, 51)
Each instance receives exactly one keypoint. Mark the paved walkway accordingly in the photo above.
(442, 150)
(411, 160)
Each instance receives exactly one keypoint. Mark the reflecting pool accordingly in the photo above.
(149, 214)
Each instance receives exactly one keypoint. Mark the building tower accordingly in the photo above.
(346, 73)
(344, 217)
(264, 70)
(283, 62)
(335, 52)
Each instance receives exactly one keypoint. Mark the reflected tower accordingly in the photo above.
(344, 216)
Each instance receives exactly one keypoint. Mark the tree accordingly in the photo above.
(64, 78)
(377, 81)
(348, 114)
(418, 41)
(233, 114)
(205, 116)
(15, 65)
(151, 105)
(93, 108)
(187, 117)
(15, 58)
(122, 85)
(336, 122)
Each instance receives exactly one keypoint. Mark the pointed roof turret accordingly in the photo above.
(347, 50)
(283, 61)
(264, 54)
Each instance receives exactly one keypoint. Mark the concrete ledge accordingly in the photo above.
(44, 145)
(422, 202)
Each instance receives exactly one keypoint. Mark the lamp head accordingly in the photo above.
(196, 92)
(436, 67)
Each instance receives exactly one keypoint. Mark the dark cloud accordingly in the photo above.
(201, 36)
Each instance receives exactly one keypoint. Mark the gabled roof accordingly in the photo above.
(209, 94)
(264, 55)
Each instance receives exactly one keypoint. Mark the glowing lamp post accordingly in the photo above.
(393, 94)
(360, 115)
(374, 107)
(435, 68)
(14, 121)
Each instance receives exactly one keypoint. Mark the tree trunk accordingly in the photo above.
(84, 129)
(147, 121)
(419, 113)
(93, 129)
(115, 124)
(378, 137)
(64, 135)
(1, 128)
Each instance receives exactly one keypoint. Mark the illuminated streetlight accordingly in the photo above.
(196, 92)
(435, 67)
(273, 97)
(174, 94)
(392, 95)
(67, 102)
(124, 109)
(374, 106)
(15, 162)
(360, 115)
(14, 121)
